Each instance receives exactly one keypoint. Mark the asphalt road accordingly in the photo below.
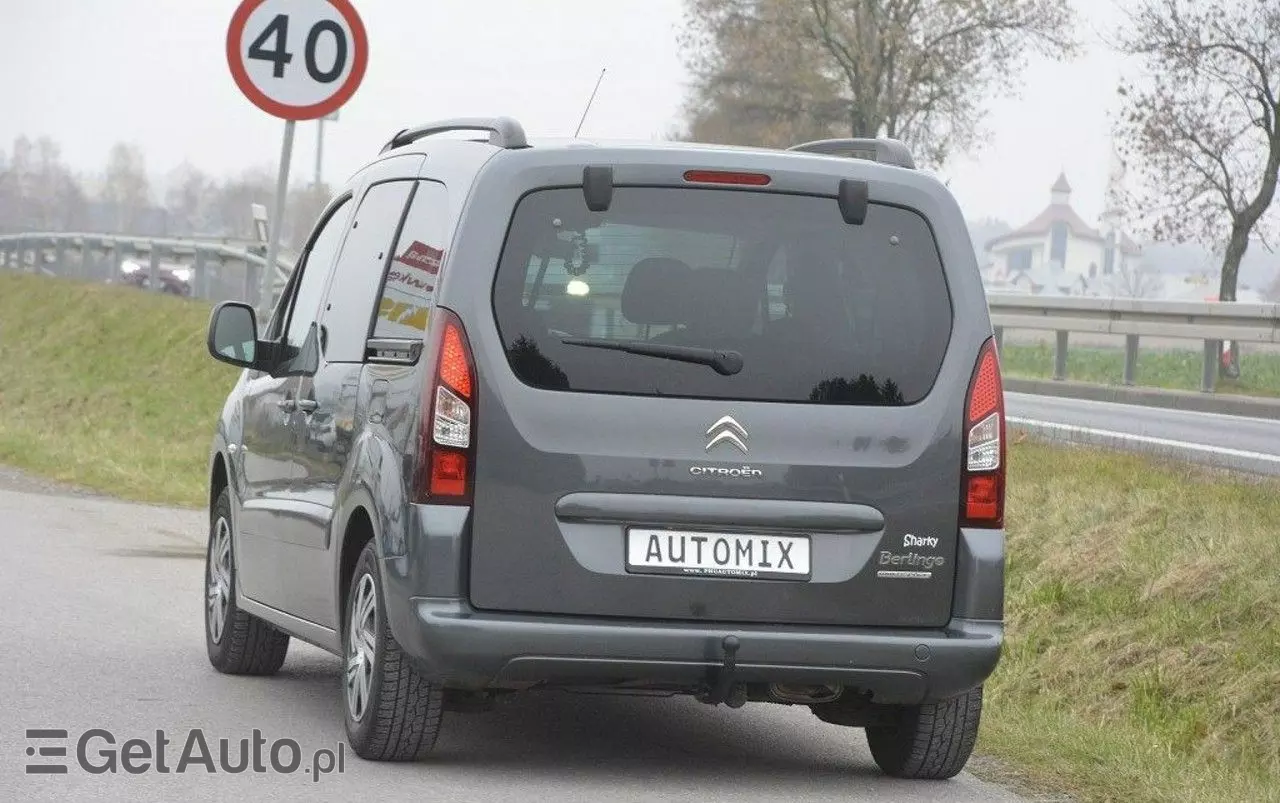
(102, 621)
(1227, 441)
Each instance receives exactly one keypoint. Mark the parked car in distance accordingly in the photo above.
(634, 419)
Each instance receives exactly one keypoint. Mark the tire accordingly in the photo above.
(241, 644)
(931, 741)
(391, 713)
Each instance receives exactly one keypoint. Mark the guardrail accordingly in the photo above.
(218, 269)
(1205, 321)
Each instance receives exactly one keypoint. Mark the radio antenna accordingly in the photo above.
(589, 102)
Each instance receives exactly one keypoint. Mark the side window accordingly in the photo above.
(315, 271)
(409, 290)
(364, 258)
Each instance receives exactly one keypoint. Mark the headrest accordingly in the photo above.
(722, 303)
(656, 291)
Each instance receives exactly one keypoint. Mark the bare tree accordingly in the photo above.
(15, 186)
(1272, 293)
(1203, 128)
(59, 198)
(127, 188)
(190, 200)
(232, 207)
(38, 191)
(918, 70)
(758, 78)
(1133, 281)
(302, 212)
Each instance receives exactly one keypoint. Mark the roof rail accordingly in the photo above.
(879, 149)
(504, 132)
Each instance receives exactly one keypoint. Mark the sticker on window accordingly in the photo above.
(407, 297)
(422, 256)
(404, 313)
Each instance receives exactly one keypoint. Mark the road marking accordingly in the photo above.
(1072, 429)
(1128, 408)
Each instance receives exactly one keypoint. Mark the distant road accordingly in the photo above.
(1251, 444)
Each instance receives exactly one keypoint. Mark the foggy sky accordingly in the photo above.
(91, 72)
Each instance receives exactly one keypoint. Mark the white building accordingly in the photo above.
(1057, 252)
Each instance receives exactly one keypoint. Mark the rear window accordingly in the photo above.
(819, 311)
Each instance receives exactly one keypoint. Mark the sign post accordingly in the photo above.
(320, 143)
(296, 60)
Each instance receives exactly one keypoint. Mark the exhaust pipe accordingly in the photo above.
(805, 693)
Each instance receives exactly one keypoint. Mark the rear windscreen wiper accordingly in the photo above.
(726, 363)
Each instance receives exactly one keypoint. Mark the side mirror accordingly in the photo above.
(233, 334)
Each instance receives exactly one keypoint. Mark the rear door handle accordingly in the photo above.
(306, 405)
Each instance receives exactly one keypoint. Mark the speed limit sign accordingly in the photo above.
(297, 59)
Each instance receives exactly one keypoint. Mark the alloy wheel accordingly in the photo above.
(361, 645)
(218, 596)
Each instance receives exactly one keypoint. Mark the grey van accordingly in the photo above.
(639, 419)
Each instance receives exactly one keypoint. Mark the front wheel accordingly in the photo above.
(238, 643)
(932, 741)
(391, 713)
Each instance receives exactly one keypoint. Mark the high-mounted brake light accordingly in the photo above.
(983, 477)
(726, 177)
(446, 453)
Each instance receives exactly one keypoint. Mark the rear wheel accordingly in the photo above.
(391, 713)
(238, 643)
(932, 741)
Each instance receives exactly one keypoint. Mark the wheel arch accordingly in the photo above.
(358, 530)
(219, 477)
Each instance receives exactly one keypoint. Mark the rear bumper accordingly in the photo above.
(460, 647)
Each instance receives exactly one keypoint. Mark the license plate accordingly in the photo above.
(701, 554)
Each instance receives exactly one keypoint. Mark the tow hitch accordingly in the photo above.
(721, 688)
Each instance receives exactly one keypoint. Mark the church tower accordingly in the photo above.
(1113, 213)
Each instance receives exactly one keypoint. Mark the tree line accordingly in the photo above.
(40, 192)
(1199, 130)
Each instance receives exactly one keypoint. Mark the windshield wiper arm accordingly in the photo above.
(725, 362)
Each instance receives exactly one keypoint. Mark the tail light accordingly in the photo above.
(982, 489)
(447, 437)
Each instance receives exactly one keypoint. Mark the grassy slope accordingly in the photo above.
(108, 387)
(1143, 660)
(1173, 370)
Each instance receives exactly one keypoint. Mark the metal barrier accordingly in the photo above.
(1206, 321)
(214, 269)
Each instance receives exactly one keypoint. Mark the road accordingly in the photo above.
(102, 618)
(1237, 442)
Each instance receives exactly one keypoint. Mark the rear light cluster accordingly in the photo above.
(447, 441)
(983, 483)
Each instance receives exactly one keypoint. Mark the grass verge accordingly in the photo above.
(108, 387)
(1143, 659)
(1171, 370)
